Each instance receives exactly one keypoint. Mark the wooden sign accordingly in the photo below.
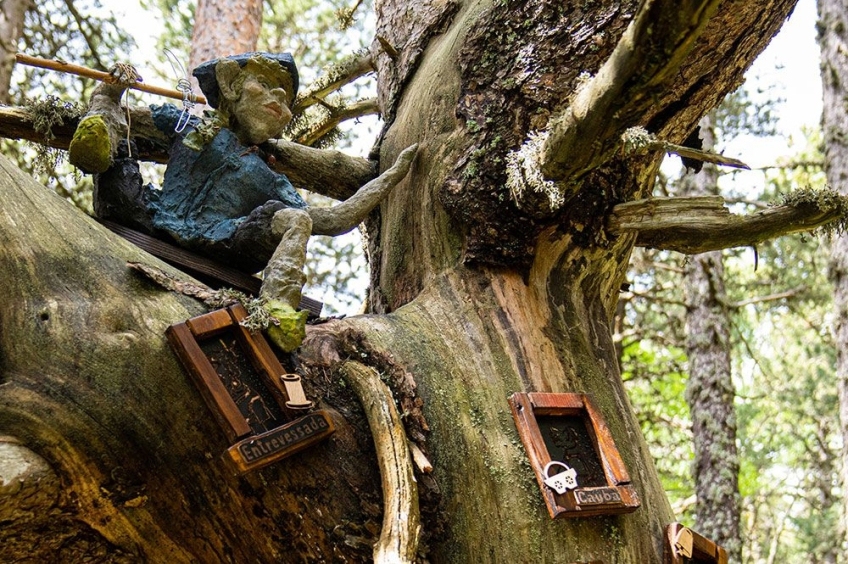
(566, 436)
(260, 408)
(685, 546)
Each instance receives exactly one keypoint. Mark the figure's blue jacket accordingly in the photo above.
(206, 195)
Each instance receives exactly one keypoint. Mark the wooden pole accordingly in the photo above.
(78, 70)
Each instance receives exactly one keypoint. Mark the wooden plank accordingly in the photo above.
(534, 444)
(610, 458)
(260, 450)
(209, 324)
(669, 553)
(208, 382)
(287, 391)
(555, 404)
(207, 270)
(704, 550)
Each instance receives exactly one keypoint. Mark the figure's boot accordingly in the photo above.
(284, 278)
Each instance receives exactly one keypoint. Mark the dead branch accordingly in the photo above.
(646, 58)
(699, 224)
(791, 293)
(637, 139)
(337, 116)
(336, 77)
(401, 521)
(62, 66)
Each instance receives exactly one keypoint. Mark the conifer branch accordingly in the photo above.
(335, 77)
(336, 116)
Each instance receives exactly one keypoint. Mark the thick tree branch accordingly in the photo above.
(401, 521)
(326, 172)
(645, 60)
(702, 223)
(323, 171)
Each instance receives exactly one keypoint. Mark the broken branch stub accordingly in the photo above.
(699, 224)
(398, 541)
(586, 133)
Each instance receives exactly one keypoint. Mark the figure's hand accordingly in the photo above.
(96, 138)
(124, 74)
(402, 164)
(91, 148)
(350, 213)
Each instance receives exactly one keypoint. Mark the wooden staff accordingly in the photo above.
(78, 70)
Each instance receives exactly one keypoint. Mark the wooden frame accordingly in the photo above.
(685, 546)
(270, 421)
(614, 495)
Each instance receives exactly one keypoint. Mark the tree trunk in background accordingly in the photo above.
(473, 299)
(710, 391)
(833, 34)
(11, 29)
(224, 27)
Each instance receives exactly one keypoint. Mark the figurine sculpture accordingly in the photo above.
(219, 197)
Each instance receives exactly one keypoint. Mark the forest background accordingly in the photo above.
(778, 297)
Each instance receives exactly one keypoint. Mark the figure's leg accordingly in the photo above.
(119, 195)
(343, 217)
(284, 278)
(254, 241)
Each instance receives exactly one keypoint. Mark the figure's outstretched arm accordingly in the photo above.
(343, 217)
(96, 138)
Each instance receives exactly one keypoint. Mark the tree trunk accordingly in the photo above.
(834, 67)
(710, 392)
(11, 30)
(476, 294)
(224, 27)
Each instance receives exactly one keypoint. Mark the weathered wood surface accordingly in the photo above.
(481, 300)
(89, 383)
(398, 543)
(699, 224)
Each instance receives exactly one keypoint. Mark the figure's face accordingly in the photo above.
(261, 112)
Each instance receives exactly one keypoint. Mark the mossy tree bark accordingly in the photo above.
(710, 392)
(477, 294)
(834, 69)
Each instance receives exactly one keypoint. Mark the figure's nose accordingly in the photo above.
(280, 94)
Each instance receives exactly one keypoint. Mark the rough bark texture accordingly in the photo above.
(710, 392)
(478, 300)
(90, 384)
(11, 28)
(833, 33)
(224, 27)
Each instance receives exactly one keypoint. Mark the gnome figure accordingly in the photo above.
(219, 197)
